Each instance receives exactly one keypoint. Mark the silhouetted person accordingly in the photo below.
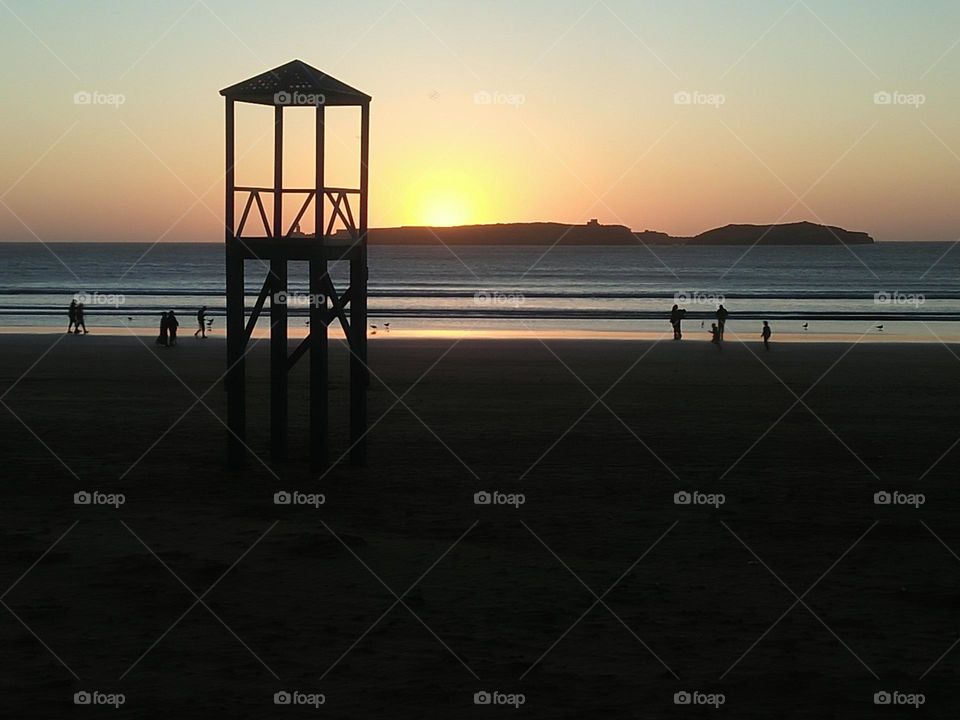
(173, 324)
(721, 319)
(765, 334)
(81, 323)
(164, 337)
(201, 322)
(676, 317)
(715, 335)
(72, 316)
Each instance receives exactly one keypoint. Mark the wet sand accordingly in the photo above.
(502, 597)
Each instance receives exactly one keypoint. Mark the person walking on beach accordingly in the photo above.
(173, 324)
(72, 316)
(80, 323)
(163, 338)
(765, 334)
(721, 319)
(201, 322)
(676, 316)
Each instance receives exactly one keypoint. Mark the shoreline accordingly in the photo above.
(697, 336)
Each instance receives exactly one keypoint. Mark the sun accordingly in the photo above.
(445, 209)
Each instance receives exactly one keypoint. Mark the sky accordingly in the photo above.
(671, 115)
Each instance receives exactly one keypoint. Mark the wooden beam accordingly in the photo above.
(235, 377)
(257, 308)
(278, 310)
(246, 211)
(359, 376)
(319, 359)
(337, 306)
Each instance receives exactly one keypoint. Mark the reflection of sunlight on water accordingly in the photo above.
(933, 332)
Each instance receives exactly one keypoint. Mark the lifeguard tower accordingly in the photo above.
(340, 233)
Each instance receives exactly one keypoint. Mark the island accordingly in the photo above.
(594, 233)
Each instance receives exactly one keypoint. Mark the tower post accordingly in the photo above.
(235, 379)
(359, 372)
(318, 315)
(278, 307)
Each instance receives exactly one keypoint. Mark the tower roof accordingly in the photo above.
(295, 84)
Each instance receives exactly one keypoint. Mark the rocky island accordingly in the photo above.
(593, 233)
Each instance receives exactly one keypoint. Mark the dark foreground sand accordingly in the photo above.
(502, 599)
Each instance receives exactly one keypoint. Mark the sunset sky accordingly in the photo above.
(672, 115)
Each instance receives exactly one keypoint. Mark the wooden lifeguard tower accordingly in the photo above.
(297, 84)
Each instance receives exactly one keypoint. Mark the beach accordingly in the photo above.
(781, 453)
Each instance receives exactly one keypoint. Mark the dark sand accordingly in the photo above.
(483, 418)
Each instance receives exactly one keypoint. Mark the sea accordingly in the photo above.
(906, 291)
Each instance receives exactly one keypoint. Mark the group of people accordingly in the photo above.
(76, 319)
(677, 314)
(168, 329)
(169, 325)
